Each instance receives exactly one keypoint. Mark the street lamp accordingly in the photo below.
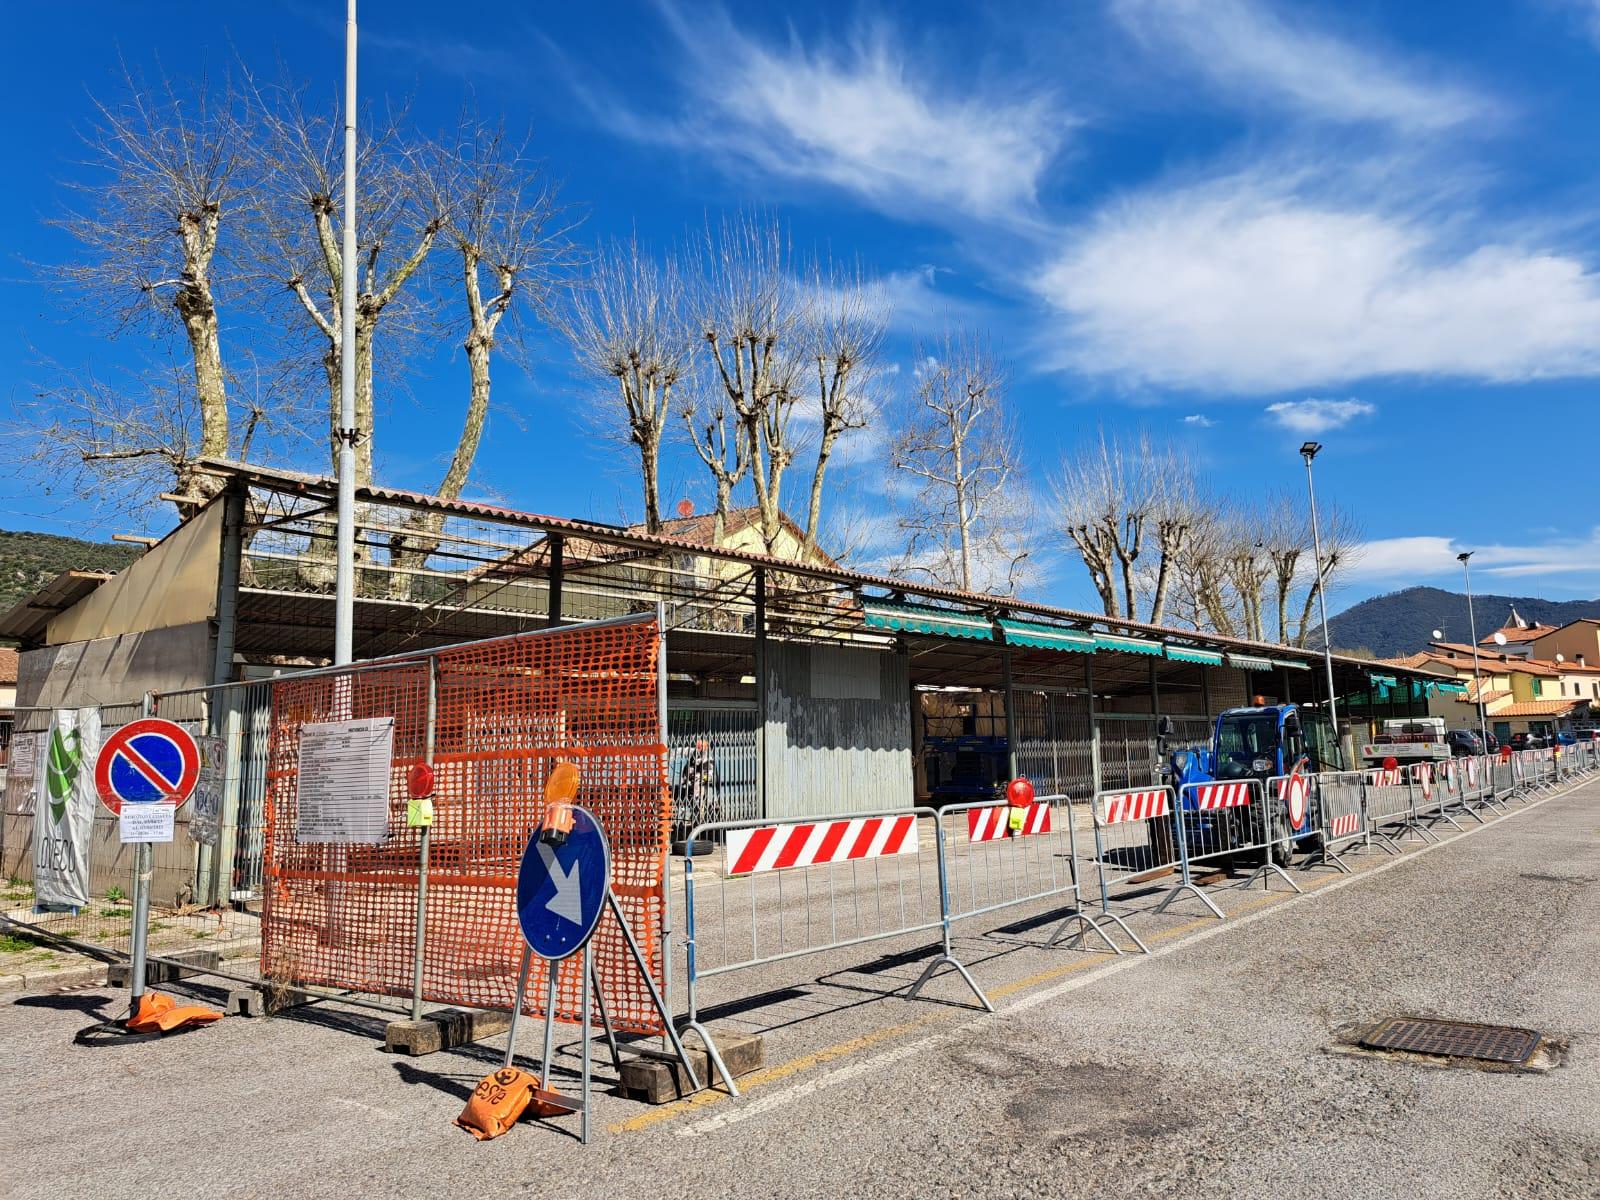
(1309, 451)
(1472, 624)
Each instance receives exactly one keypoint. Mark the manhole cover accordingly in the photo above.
(1454, 1039)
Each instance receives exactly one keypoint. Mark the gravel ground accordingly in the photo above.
(1212, 1068)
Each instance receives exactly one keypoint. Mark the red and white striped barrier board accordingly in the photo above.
(1472, 772)
(776, 847)
(1344, 825)
(1387, 777)
(1425, 778)
(992, 824)
(1209, 797)
(1141, 804)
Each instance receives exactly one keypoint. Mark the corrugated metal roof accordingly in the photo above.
(28, 618)
(293, 482)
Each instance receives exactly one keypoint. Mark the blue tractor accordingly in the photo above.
(1258, 743)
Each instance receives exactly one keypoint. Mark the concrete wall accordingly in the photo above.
(838, 730)
(110, 670)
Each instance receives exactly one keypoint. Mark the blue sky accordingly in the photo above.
(1237, 223)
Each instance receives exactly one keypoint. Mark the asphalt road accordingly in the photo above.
(1213, 1067)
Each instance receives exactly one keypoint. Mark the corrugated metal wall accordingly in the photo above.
(838, 730)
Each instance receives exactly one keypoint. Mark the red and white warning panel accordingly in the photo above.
(1294, 790)
(993, 823)
(1344, 825)
(1210, 797)
(776, 847)
(1136, 804)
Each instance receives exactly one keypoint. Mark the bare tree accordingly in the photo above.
(172, 177)
(845, 325)
(964, 526)
(399, 218)
(1247, 567)
(501, 219)
(626, 322)
(1116, 500)
(752, 320)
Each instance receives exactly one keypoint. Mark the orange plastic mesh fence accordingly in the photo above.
(508, 710)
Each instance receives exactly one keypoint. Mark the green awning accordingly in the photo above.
(1128, 645)
(915, 618)
(1451, 688)
(1292, 664)
(1387, 681)
(1210, 658)
(1249, 662)
(1047, 637)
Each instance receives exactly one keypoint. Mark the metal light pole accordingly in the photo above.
(1477, 676)
(345, 536)
(1308, 451)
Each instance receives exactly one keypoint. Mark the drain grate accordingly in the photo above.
(1454, 1039)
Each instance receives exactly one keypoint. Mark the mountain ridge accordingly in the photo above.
(1403, 622)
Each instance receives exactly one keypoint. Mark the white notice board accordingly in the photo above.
(342, 786)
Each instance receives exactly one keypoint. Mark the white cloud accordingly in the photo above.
(854, 116)
(1200, 420)
(1427, 556)
(1317, 416)
(1249, 51)
(1239, 284)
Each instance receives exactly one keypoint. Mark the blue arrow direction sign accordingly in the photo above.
(561, 890)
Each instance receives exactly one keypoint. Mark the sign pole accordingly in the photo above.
(143, 869)
(418, 952)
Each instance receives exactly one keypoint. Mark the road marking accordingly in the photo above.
(1096, 969)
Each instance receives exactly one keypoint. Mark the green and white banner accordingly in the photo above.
(63, 815)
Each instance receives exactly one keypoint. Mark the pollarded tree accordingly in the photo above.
(964, 523)
(624, 316)
(158, 221)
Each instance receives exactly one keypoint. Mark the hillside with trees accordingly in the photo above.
(28, 559)
(1403, 622)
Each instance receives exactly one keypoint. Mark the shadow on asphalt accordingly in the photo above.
(84, 1002)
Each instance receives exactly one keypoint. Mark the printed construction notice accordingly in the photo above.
(342, 788)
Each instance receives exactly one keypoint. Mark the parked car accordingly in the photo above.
(1493, 746)
(1566, 738)
(1464, 742)
(1528, 741)
(1587, 735)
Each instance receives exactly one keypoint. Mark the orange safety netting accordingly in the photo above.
(507, 711)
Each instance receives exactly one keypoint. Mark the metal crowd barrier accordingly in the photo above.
(1136, 838)
(1341, 818)
(1216, 821)
(804, 887)
(1390, 814)
(1429, 797)
(990, 865)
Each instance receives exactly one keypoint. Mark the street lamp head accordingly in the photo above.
(1464, 555)
(1309, 450)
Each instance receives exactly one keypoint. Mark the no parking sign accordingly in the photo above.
(144, 771)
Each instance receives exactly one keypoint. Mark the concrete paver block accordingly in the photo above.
(442, 1029)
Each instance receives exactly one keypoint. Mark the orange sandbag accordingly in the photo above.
(158, 1013)
(497, 1102)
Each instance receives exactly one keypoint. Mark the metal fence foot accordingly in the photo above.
(1327, 858)
(1189, 887)
(1265, 872)
(933, 969)
(1086, 923)
(1123, 925)
(718, 1067)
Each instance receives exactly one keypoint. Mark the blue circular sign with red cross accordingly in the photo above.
(147, 762)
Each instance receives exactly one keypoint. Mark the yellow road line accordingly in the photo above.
(768, 1075)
